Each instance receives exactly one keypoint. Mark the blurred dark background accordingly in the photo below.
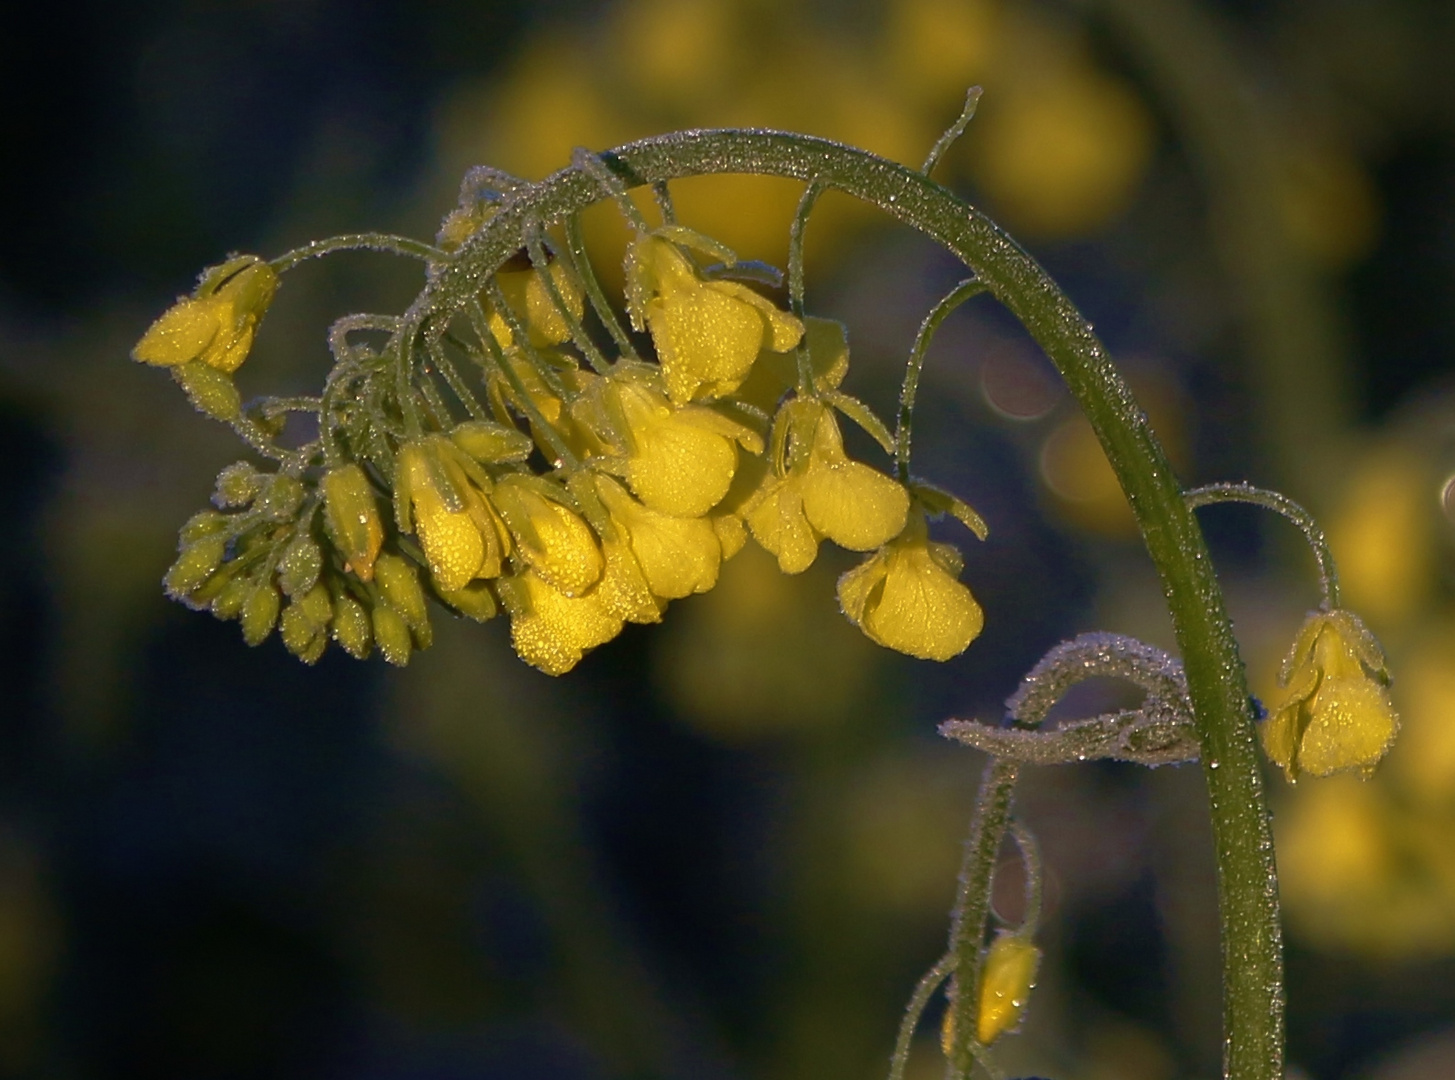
(725, 846)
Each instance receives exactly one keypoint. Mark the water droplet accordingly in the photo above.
(1213, 764)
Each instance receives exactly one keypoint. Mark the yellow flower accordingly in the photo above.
(707, 333)
(217, 322)
(526, 292)
(552, 539)
(551, 630)
(775, 373)
(819, 492)
(1335, 713)
(678, 556)
(436, 497)
(906, 596)
(679, 461)
(353, 517)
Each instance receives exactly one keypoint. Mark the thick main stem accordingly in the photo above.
(1248, 890)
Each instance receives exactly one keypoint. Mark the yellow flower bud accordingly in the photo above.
(678, 556)
(1006, 980)
(259, 612)
(302, 634)
(300, 566)
(353, 517)
(528, 296)
(392, 635)
(707, 333)
(491, 443)
(351, 626)
(551, 630)
(216, 324)
(229, 601)
(1335, 713)
(474, 601)
(195, 565)
(823, 494)
(210, 391)
(906, 596)
(462, 537)
(399, 585)
(551, 539)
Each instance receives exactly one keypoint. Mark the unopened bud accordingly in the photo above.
(351, 626)
(491, 443)
(211, 391)
(259, 613)
(301, 636)
(353, 517)
(474, 601)
(392, 635)
(281, 497)
(203, 523)
(195, 565)
(399, 582)
(300, 566)
(237, 485)
(228, 603)
(1005, 986)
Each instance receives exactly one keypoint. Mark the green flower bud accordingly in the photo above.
(399, 582)
(491, 443)
(194, 565)
(281, 497)
(301, 634)
(259, 613)
(351, 626)
(300, 566)
(475, 600)
(392, 635)
(317, 606)
(228, 603)
(203, 523)
(238, 485)
(210, 390)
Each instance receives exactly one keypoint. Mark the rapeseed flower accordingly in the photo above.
(435, 496)
(550, 630)
(216, 324)
(678, 556)
(907, 596)
(550, 538)
(1335, 713)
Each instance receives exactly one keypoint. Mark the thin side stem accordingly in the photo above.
(795, 279)
(904, 429)
(581, 263)
(369, 241)
(953, 132)
(537, 251)
(1282, 505)
(527, 406)
(923, 991)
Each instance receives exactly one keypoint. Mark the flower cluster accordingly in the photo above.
(577, 492)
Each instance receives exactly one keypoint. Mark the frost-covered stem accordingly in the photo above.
(904, 430)
(1217, 686)
(923, 991)
(371, 241)
(1286, 507)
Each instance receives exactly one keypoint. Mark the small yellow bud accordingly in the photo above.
(707, 333)
(491, 443)
(399, 583)
(210, 391)
(1005, 986)
(229, 601)
(1335, 713)
(353, 517)
(552, 539)
(300, 566)
(281, 497)
(202, 523)
(216, 324)
(392, 635)
(301, 635)
(259, 613)
(528, 296)
(474, 601)
(238, 485)
(351, 626)
(195, 565)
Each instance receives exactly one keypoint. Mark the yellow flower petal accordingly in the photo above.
(550, 630)
(679, 556)
(675, 466)
(552, 539)
(1005, 986)
(180, 335)
(778, 523)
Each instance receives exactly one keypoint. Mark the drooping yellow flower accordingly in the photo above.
(678, 460)
(552, 539)
(353, 517)
(1335, 713)
(707, 333)
(551, 630)
(820, 492)
(907, 596)
(678, 556)
(217, 322)
(462, 536)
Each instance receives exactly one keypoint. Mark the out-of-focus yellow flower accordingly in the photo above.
(821, 492)
(775, 373)
(1061, 153)
(678, 556)
(1424, 762)
(935, 49)
(217, 322)
(1382, 538)
(1006, 981)
(552, 538)
(907, 596)
(462, 537)
(679, 461)
(1329, 204)
(530, 298)
(551, 630)
(1336, 713)
(707, 333)
(353, 517)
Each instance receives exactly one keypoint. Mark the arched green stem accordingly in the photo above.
(923, 991)
(1210, 494)
(370, 241)
(795, 279)
(904, 430)
(1217, 687)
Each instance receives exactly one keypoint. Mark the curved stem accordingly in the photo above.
(1217, 686)
(795, 280)
(904, 429)
(923, 991)
(370, 241)
(1280, 504)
